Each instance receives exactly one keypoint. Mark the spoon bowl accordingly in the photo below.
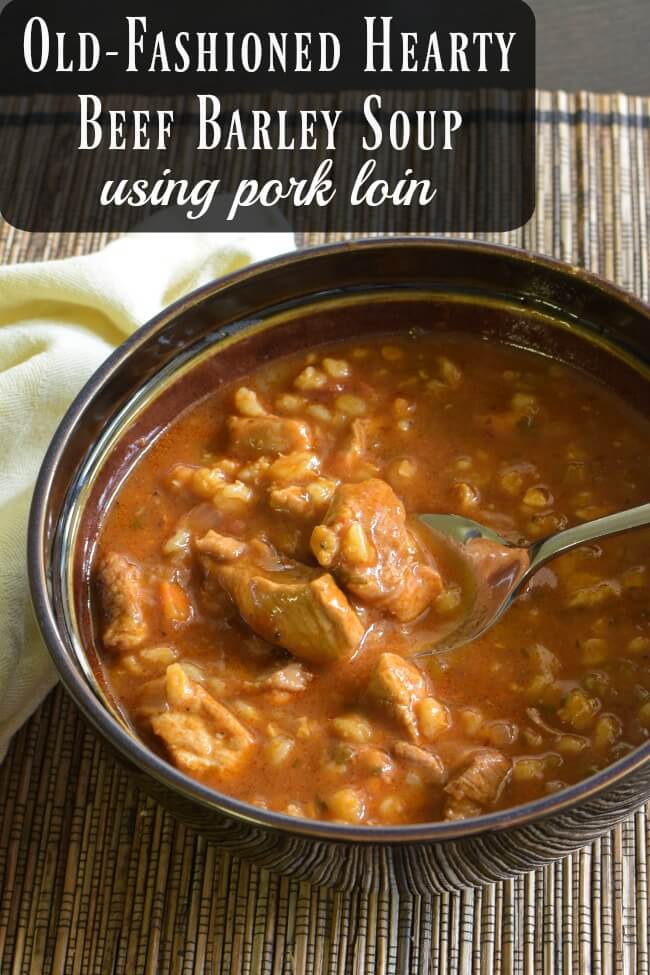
(500, 570)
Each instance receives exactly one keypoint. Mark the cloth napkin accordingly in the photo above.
(58, 321)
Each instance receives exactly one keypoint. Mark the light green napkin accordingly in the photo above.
(58, 321)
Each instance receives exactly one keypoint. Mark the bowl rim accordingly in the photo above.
(134, 750)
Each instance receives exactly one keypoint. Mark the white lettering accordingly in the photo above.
(135, 40)
(409, 60)
(251, 53)
(483, 38)
(91, 134)
(206, 51)
(182, 40)
(433, 54)
(209, 129)
(163, 192)
(319, 190)
(459, 43)
(368, 113)
(505, 49)
(331, 120)
(453, 121)
(44, 39)
(402, 129)
(375, 193)
(329, 40)
(159, 55)
(88, 59)
(383, 44)
(60, 54)
(88, 121)
(303, 60)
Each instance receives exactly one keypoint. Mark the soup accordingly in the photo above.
(260, 586)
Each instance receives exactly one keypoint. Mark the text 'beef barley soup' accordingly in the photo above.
(259, 587)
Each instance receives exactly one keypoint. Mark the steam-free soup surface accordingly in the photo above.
(259, 588)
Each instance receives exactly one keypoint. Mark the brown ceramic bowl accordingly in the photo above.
(219, 332)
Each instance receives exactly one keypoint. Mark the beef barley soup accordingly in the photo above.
(259, 586)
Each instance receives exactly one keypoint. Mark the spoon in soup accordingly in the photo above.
(498, 571)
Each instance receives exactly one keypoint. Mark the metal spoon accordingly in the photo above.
(500, 571)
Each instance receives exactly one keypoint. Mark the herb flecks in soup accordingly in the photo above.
(260, 586)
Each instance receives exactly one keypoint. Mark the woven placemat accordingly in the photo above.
(95, 877)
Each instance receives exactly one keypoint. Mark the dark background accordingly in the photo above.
(599, 45)
(48, 183)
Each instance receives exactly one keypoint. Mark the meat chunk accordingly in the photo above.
(310, 618)
(222, 547)
(293, 678)
(255, 435)
(201, 734)
(397, 685)
(308, 501)
(353, 448)
(122, 595)
(365, 540)
(478, 785)
(430, 766)
(293, 500)
(289, 604)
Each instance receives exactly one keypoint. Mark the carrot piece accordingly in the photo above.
(175, 603)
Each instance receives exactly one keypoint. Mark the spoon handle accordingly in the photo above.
(590, 531)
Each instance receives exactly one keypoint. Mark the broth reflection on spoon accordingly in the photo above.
(498, 571)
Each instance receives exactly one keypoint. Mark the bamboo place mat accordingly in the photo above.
(96, 878)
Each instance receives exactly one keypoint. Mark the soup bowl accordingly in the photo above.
(222, 331)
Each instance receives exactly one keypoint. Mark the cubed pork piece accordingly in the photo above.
(122, 597)
(222, 547)
(428, 765)
(200, 733)
(292, 500)
(307, 501)
(288, 604)
(293, 678)
(478, 785)
(353, 449)
(307, 615)
(251, 436)
(365, 541)
(397, 685)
